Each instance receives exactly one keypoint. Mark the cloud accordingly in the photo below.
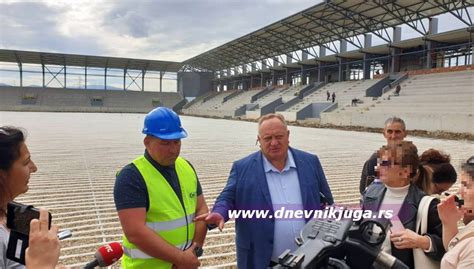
(173, 30)
(37, 26)
(195, 26)
(161, 30)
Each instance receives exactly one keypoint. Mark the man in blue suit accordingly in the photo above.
(276, 177)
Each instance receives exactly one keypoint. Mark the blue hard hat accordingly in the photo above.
(164, 123)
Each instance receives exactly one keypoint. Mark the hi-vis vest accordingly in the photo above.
(166, 215)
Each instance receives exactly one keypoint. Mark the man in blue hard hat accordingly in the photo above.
(157, 196)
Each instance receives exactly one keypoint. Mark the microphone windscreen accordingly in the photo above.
(108, 254)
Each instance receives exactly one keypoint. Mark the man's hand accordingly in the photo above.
(43, 249)
(188, 259)
(211, 218)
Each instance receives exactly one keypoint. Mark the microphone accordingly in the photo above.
(106, 255)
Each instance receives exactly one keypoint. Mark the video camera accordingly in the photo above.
(325, 243)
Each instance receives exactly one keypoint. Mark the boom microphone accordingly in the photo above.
(106, 255)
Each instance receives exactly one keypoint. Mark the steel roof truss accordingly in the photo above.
(274, 50)
(455, 10)
(309, 39)
(283, 37)
(340, 35)
(369, 24)
(243, 51)
(411, 17)
(335, 25)
(264, 48)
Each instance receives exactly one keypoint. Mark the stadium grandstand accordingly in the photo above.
(288, 67)
(56, 70)
(328, 48)
(352, 49)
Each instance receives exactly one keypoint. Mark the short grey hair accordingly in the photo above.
(395, 119)
(271, 116)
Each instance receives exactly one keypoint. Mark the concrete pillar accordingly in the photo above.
(254, 67)
(366, 63)
(433, 26)
(397, 34)
(304, 55)
(319, 72)
(366, 67)
(244, 69)
(433, 29)
(322, 51)
(275, 61)
(264, 64)
(288, 58)
(339, 72)
(472, 55)
(288, 79)
(343, 46)
(245, 84)
(394, 52)
(367, 40)
(303, 75)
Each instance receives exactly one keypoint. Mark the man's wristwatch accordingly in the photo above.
(198, 251)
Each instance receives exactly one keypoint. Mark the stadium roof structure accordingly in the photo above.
(327, 23)
(46, 58)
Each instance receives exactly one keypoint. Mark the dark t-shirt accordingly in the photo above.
(368, 173)
(130, 189)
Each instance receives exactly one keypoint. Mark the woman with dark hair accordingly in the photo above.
(436, 174)
(459, 244)
(398, 164)
(16, 167)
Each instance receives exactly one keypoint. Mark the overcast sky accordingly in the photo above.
(173, 30)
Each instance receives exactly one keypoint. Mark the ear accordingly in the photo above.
(146, 141)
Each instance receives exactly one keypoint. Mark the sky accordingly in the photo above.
(173, 30)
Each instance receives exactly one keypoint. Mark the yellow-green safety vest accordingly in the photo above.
(165, 215)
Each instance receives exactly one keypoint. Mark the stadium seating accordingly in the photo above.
(345, 92)
(439, 101)
(285, 93)
(80, 100)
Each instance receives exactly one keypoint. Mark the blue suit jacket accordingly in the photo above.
(247, 188)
